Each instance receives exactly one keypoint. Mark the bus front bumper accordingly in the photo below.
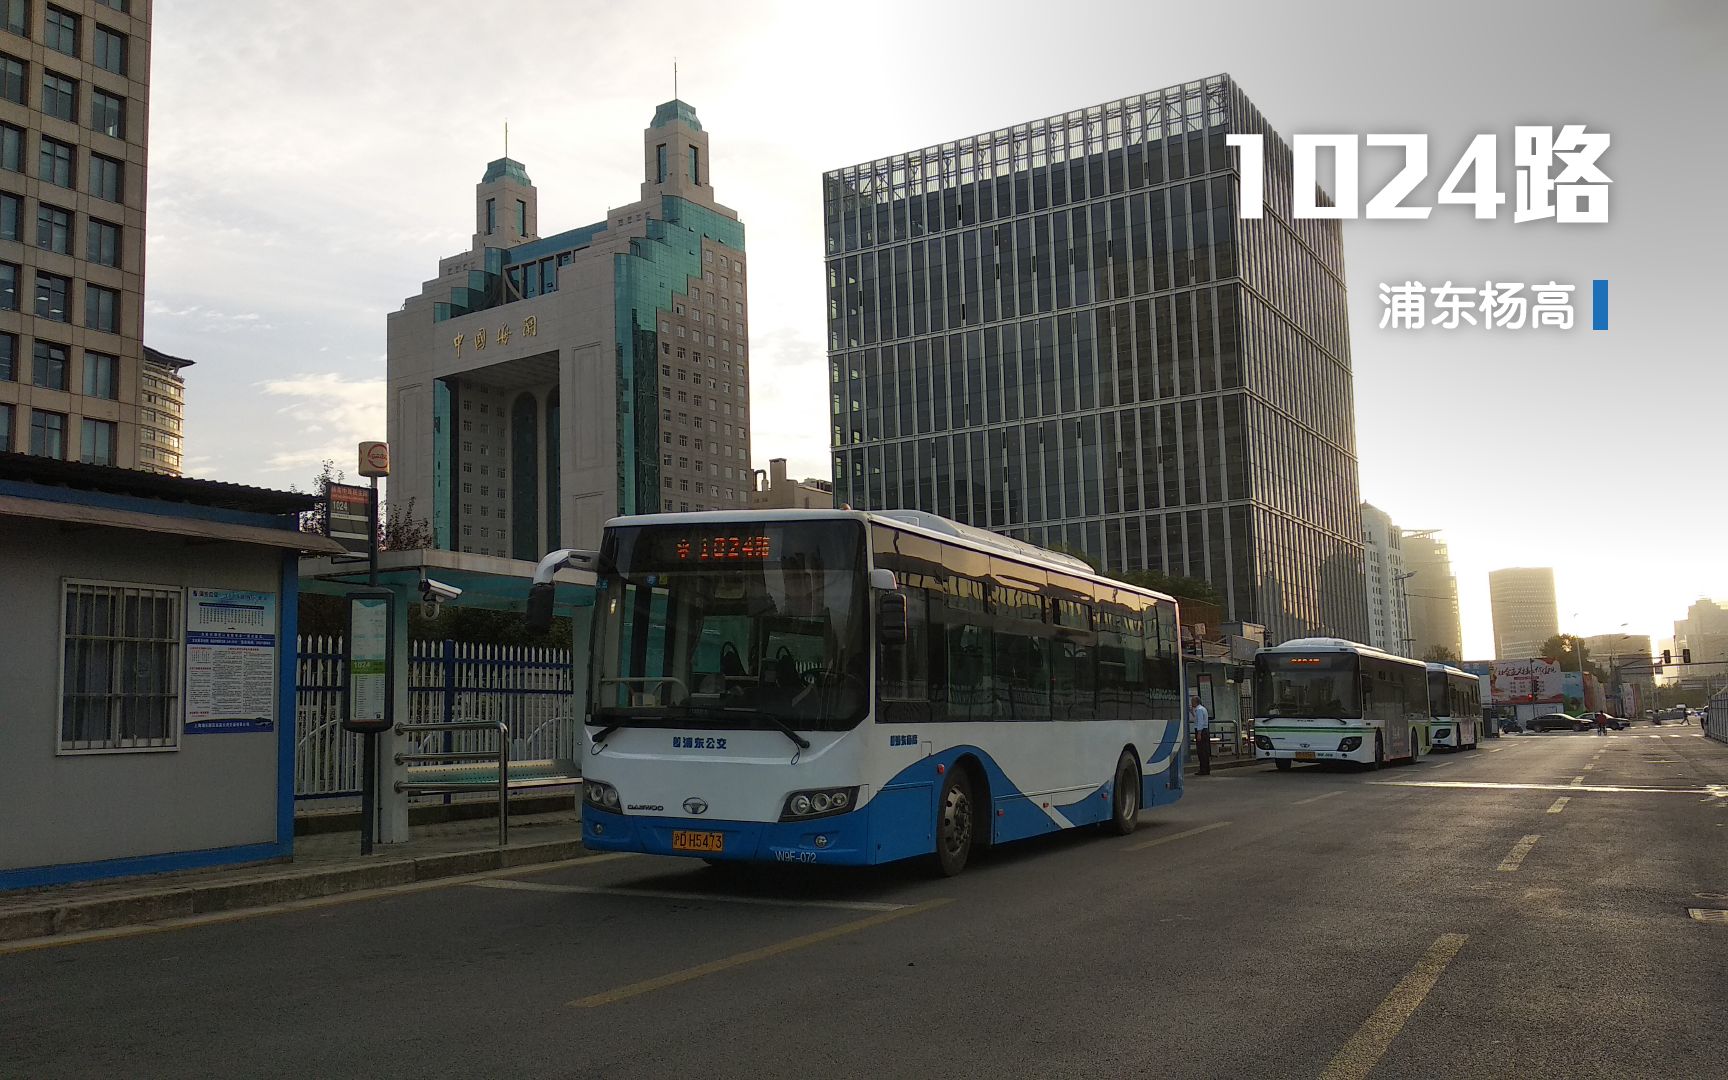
(838, 840)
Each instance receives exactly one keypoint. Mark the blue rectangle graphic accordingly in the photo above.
(1599, 304)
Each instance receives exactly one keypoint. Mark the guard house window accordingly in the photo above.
(59, 97)
(18, 17)
(695, 166)
(491, 215)
(108, 114)
(51, 292)
(96, 447)
(660, 164)
(110, 50)
(12, 72)
(55, 163)
(47, 434)
(120, 678)
(60, 31)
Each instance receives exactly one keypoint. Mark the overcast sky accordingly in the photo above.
(310, 163)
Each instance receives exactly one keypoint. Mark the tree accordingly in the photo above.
(1440, 654)
(1565, 650)
(317, 519)
(1185, 588)
(402, 531)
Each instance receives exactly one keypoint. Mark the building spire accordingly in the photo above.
(674, 78)
(506, 136)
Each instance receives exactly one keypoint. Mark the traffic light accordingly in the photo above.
(1685, 656)
(1667, 657)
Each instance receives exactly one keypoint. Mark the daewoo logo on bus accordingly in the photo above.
(647, 806)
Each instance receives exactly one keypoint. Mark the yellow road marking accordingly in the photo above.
(1368, 1045)
(1708, 915)
(1519, 850)
(656, 894)
(212, 918)
(1177, 836)
(1313, 798)
(661, 982)
(1559, 804)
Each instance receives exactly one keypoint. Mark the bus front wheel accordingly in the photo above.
(1125, 807)
(1379, 751)
(954, 825)
(1284, 764)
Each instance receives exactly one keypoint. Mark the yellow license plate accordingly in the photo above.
(1304, 755)
(689, 840)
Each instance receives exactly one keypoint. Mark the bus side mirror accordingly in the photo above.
(892, 618)
(540, 597)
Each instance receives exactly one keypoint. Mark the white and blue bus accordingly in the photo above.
(1326, 699)
(1455, 705)
(840, 687)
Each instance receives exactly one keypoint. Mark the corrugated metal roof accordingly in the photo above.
(146, 485)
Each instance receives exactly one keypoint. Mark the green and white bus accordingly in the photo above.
(1327, 699)
(1455, 706)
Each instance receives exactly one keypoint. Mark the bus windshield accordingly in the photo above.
(1292, 686)
(732, 624)
(1439, 695)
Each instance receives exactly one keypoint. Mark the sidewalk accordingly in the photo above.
(325, 863)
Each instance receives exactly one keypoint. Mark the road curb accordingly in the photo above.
(1227, 763)
(66, 915)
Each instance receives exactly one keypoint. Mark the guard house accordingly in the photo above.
(147, 628)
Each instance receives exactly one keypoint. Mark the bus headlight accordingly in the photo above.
(821, 802)
(1443, 733)
(1354, 742)
(1264, 742)
(600, 796)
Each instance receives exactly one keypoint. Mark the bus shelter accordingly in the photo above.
(458, 579)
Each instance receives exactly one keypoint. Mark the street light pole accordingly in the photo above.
(1404, 604)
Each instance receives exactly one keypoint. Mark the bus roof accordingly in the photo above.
(918, 521)
(1338, 645)
(1434, 665)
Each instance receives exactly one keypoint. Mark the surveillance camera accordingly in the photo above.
(436, 591)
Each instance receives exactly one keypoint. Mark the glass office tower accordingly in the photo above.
(1061, 331)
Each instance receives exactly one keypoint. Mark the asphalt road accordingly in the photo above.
(1316, 923)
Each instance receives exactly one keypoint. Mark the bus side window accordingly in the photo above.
(904, 668)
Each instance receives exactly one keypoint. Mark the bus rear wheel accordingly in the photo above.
(1379, 751)
(1125, 806)
(954, 825)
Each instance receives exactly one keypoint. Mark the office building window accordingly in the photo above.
(55, 164)
(101, 375)
(59, 97)
(103, 242)
(117, 5)
(11, 216)
(5, 429)
(60, 31)
(521, 218)
(110, 50)
(660, 167)
(8, 357)
(12, 72)
(53, 229)
(102, 309)
(108, 114)
(51, 296)
(8, 286)
(50, 366)
(120, 684)
(105, 178)
(48, 434)
(18, 17)
(695, 165)
(491, 215)
(11, 148)
(96, 444)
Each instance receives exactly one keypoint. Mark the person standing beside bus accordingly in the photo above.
(1202, 724)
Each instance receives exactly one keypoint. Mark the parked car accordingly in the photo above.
(1554, 721)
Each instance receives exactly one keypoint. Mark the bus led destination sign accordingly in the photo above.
(724, 549)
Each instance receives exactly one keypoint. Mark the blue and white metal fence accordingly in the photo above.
(527, 687)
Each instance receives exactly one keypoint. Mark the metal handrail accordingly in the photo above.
(503, 730)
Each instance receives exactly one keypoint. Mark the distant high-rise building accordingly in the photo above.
(1432, 594)
(1525, 614)
(161, 406)
(784, 493)
(542, 384)
(74, 126)
(1062, 331)
(1606, 647)
(1704, 630)
(1383, 565)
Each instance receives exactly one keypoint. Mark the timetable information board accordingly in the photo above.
(230, 661)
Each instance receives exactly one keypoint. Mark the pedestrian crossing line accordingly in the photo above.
(1559, 804)
(1515, 857)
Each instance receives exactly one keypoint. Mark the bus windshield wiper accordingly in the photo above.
(611, 719)
(779, 725)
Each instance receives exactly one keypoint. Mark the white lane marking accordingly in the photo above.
(1495, 749)
(1519, 850)
(1441, 764)
(657, 894)
(1576, 780)
(1588, 766)
(1177, 836)
(1559, 804)
(1315, 798)
(1720, 790)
